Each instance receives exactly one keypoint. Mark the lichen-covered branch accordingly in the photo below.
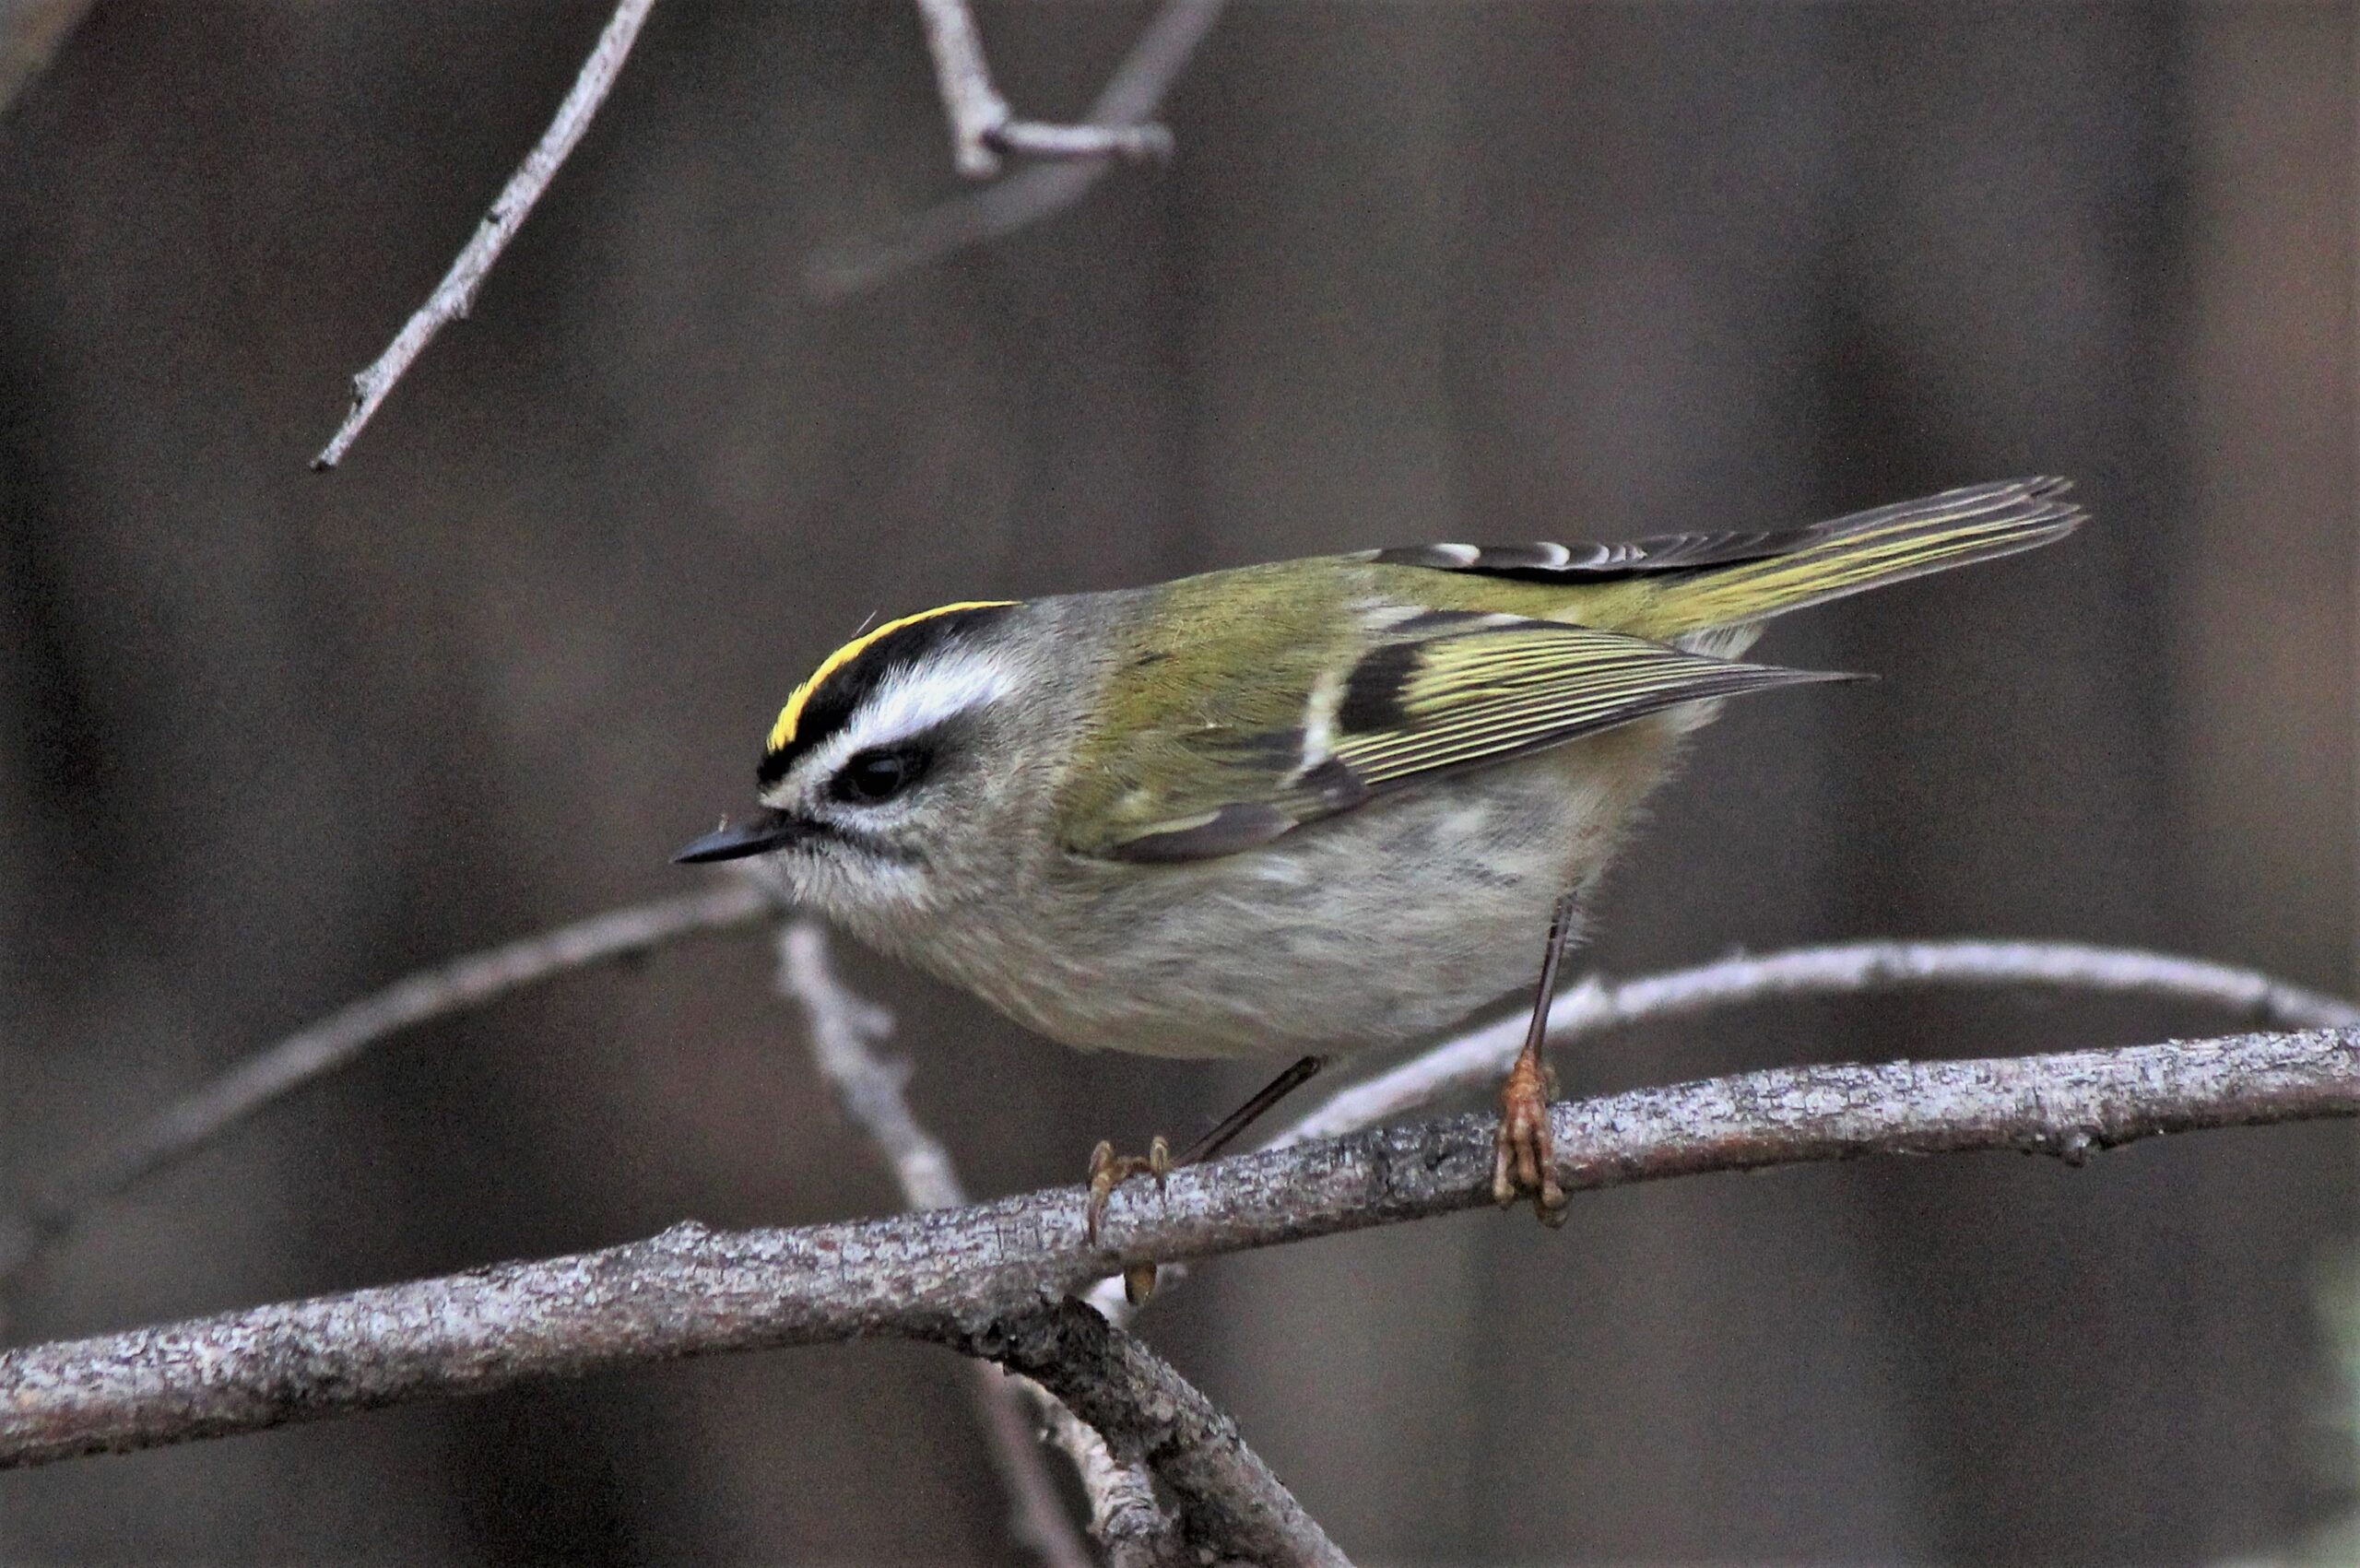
(1126, 1515)
(949, 1275)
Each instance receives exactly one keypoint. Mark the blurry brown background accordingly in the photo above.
(1420, 271)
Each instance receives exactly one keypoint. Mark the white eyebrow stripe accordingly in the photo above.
(907, 702)
(912, 701)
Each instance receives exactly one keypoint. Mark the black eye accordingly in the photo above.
(874, 777)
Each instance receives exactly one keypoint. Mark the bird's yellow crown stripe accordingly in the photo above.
(789, 716)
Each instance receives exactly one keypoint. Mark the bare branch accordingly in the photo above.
(970, 101)
(1126, 1515)
(1014, 1434)
(344, 1036)
(1465, 1062)
(949, 1275)
(1477, 1060)
(1151, 1415)
(841, 1025)
(982, 123)
(1130, 96)
(455, 294)
(1141, 144)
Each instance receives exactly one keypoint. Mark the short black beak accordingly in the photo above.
(733, 841)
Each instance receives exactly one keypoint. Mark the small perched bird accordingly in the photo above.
(1303, 808)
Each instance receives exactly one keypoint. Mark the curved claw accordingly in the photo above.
(1109, 1169)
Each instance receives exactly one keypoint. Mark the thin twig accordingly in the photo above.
(1038, 1518)
(841, 1025)
(1477, 1059)
(1038, 138)
(1130, 96)
(868, 1086)
(455, 294)
(982, 123)
(338, 1040)
(948, 1276)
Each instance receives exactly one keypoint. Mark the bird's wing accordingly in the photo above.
(1443, 692)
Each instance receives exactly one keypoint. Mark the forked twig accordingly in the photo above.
(1110, 1392)
(1131, 94)
(1229, 1502)
(982, 123)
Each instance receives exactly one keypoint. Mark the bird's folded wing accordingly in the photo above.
(1411, 709)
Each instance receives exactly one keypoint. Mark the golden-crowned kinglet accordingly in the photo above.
(1300, 807)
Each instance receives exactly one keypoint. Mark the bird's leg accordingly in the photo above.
(1524, 1164)
(1219, 1136)
(1109, 1169)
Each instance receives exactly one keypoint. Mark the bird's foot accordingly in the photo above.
(1524, 1163)
(1108, 1170)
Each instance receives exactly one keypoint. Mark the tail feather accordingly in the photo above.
(1869, 549)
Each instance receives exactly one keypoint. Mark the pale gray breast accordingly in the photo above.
(1383, 926)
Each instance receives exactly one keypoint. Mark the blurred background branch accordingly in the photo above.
(30, 32)
(203, 1115)
(1597, 1005)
